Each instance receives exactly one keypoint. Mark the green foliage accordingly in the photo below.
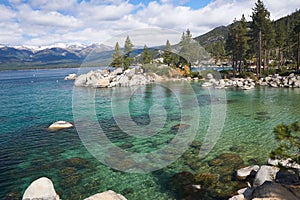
(117, 57)
(146, 57)
(128, 47)
(288, 137)
(167, 56)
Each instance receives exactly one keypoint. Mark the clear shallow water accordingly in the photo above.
(32, 99)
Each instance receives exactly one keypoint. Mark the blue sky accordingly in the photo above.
(46, 22)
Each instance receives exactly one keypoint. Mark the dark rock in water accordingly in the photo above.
(126, 146)
(182, 184)
(180, 127)
(236, 148)
(273, 190)
(287, 177)
(206, 179)
(76, 162)
(196, 144)
(67, 171)
(71, 180)
(226, 159)
(262, 118)
(226, 164)
(262, 113)
(12, 196)
(127, 191)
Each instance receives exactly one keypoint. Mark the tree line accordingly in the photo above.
(263, 42)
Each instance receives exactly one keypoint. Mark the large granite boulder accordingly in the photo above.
(271, 190)
(108, 195)
(40, 189)
(265, 173)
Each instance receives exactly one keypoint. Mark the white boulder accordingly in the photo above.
(108, 195)
(246, 171)
(41, 188)
(265, 173)
(60, 125)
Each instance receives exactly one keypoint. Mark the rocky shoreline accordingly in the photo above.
(279, 180)
(291, 81)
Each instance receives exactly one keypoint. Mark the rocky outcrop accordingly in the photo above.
(269, 183)
(70, 77)
(108, 195)
(60, 125)
(41, 188)
(291, 81)
(116, 78)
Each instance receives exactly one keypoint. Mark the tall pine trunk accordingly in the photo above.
(298, 51)
(258, 63)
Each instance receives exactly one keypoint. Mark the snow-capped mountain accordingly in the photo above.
(59, 54)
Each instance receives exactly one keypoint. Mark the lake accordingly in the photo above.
(31, 100)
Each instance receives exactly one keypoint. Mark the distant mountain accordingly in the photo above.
(216, 35)
(54, 56)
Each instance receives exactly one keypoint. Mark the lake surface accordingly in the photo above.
(33, 99)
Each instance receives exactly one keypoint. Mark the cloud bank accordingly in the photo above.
(44, 22)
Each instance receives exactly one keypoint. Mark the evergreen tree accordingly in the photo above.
(128, 47)
(146, 57)
(167, 56)
(242, 42)
(186, 49)
(117, 57)
(280, 42)
(297, 36)
(231, 45)
(262, 33)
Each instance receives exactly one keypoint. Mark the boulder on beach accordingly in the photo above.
(60, 125)
(108, 195)
(41, 188)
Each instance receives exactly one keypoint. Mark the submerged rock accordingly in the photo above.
(108, 195)
(41, 188)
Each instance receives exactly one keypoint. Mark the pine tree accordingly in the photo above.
(280, 42)
(186, 50)
(167, 56)
(242, 42)
(146, 57)
(231, 44)
(297, 35)
(128, 47)
(117, 57)
(262, 33)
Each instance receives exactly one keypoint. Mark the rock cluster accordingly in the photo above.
(116, 78)
(241, 83)
(269, 182)
(43, 189)
(291, 81)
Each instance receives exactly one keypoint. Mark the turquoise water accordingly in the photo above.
(33, 99)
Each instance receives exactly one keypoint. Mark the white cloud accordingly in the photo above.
(40, 22)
